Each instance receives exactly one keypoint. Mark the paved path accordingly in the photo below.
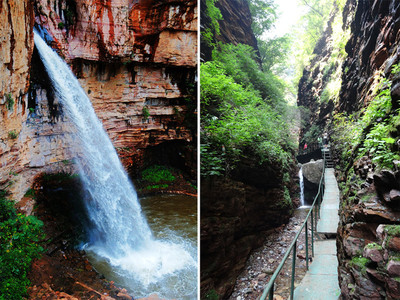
(330, 205)
(321, 280)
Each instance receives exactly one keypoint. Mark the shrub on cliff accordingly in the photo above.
(19, 245)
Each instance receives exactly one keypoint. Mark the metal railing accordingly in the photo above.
(313, 215)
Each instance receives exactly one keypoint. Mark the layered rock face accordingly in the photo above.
(236, 213)
(138, 31)
(235, 28)
(16, 47)
(137, 63)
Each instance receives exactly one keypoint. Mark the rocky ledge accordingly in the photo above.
(369, 238)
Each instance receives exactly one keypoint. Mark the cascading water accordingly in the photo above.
(301, 186)
(119, 234)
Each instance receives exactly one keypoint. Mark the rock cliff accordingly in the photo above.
(235, 27)
(238, 210)
(136, 61)
(236, 213)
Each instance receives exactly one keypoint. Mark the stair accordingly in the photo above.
(328, 158)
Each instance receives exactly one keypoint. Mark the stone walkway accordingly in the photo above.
(321, 280)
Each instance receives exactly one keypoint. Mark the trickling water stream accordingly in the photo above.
(119, 234)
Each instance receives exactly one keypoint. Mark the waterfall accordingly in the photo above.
(119, 233)
(301, 186)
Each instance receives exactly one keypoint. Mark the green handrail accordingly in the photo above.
(269, 289)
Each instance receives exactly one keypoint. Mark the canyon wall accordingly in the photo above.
(137, 63)
(368, 233)
(238, 210)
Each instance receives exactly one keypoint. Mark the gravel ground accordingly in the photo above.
(263, 262)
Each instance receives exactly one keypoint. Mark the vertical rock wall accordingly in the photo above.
(237, 211)
(136, 61)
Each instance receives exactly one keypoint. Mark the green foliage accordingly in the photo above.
(312, 135)
(157, 173)
(395, 69)
(371, 133)
(61, 25)
(145, 113)
(308, 32)
(156, 186)
(208, 33)
(242, 122)
(19, 245)
(9, 101)
(30, 193)
(211, 162)
(211, 295)
(360, 263)
(374, 246)
(239, 63)
(274, 53)
(243, 112)
(12, 134)
(393, 230)
(263, 15)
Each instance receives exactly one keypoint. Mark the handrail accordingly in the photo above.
(269, 289)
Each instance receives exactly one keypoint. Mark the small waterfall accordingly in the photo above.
(119, 234)
(301, 186)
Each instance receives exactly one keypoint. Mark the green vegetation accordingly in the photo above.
(12, 134)
(156, 186)
(30, 193)
(20, 236)
(369, 132)
(393, 230)
(59, 177)
(360, 263)
(145, 113)
(156, 174)
(9, 101)
(211, 295)
(215, 15)
(61, 25)
(373, 246)
(243, 106)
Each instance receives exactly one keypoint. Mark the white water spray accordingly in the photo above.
(119, 233)
(301, 186)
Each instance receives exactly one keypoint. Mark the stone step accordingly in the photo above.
(321, 281)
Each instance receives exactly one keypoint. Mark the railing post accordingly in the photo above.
(307, 244)
(312, 234)
(293, 270)
(271, 292)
